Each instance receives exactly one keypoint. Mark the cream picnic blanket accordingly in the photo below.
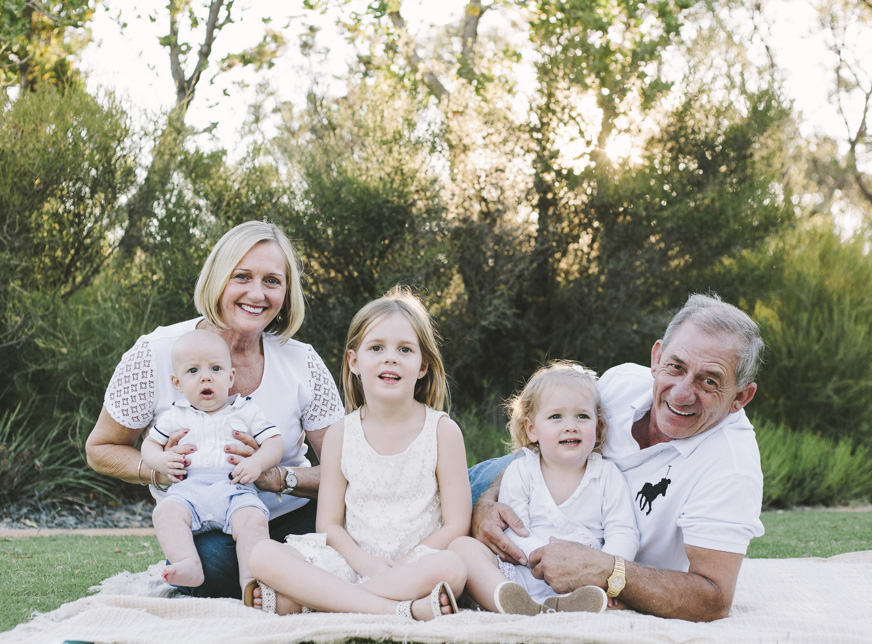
(777, 600)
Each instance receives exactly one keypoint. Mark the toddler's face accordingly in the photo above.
(203, 373)
(564, 425)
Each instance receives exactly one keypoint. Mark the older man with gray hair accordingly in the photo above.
(680, 435)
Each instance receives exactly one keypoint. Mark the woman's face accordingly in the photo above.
(256, 290)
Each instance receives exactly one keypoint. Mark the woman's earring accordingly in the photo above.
(279, 317)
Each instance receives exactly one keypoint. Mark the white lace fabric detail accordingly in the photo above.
(392, 503)
(325, 407)
(130, 396)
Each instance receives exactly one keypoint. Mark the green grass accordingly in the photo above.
(45, 572)
(50, 571)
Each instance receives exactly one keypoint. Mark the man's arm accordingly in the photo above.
(702, 594)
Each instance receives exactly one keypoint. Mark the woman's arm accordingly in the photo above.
(111, 450)
(453, 480)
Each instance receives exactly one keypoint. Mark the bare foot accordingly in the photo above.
(185, 572)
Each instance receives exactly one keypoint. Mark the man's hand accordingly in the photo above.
(489, 520)
(567, 565)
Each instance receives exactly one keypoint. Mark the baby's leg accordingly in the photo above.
(248, 526)
(483, 571)
(172, 523)
(415, 580)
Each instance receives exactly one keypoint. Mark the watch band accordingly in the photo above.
(618, 578)
(288, 488)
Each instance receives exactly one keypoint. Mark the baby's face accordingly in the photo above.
(203, 373)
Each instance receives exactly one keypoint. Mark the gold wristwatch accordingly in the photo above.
(618, 578)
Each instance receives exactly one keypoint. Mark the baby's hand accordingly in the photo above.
(171, 464)
(247, 471)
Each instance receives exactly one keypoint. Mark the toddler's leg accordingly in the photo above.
(172, 523)
(248, 526)
(483, 571)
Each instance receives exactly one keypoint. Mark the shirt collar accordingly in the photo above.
(685, 446)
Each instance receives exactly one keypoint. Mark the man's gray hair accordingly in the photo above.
(715, 317)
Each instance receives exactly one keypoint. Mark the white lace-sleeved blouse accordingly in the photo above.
(297, 393)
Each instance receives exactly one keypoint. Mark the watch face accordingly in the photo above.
(616, 583)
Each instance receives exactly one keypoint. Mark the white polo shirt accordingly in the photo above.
(704, 491)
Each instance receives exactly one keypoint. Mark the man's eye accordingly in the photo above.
(673, 369)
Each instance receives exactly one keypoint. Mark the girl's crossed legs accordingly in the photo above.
(298, 583)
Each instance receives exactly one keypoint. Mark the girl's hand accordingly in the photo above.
(370, 565)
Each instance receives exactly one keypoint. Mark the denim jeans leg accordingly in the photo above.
(483, 474)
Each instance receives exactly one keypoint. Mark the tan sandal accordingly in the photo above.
(267, 596)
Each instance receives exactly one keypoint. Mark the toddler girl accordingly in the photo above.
(394, 489)
(560, 487)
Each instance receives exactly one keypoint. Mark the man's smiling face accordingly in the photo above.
(695, 382)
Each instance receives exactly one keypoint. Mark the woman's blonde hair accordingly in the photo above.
(557, 372)
(224, 259)
(432, 388)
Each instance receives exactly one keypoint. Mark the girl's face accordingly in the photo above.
(564, 425)
(255, 293)
(389, 360)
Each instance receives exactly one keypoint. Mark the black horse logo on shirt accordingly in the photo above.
(651, 491)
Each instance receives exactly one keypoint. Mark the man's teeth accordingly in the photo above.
(680, 413)
(251, 309)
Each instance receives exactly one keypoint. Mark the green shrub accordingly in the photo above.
(802, 468)
(815, 319)
(36, 460)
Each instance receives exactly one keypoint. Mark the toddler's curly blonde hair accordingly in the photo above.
(525, 403)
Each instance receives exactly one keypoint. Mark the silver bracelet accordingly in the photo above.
(139, 473)
(162, 488)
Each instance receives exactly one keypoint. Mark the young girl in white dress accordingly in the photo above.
(394, 487)
(560, 487)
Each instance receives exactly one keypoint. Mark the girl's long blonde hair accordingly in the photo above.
(525, 403)
(432, 388)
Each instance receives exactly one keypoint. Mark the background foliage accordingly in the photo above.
(554, 186)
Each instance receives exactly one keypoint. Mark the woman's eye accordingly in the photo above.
(273, 281)
(240, 276)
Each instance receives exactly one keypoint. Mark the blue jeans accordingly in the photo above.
(481, 475)
(217, 552)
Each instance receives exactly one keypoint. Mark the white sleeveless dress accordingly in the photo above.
(392, 503)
